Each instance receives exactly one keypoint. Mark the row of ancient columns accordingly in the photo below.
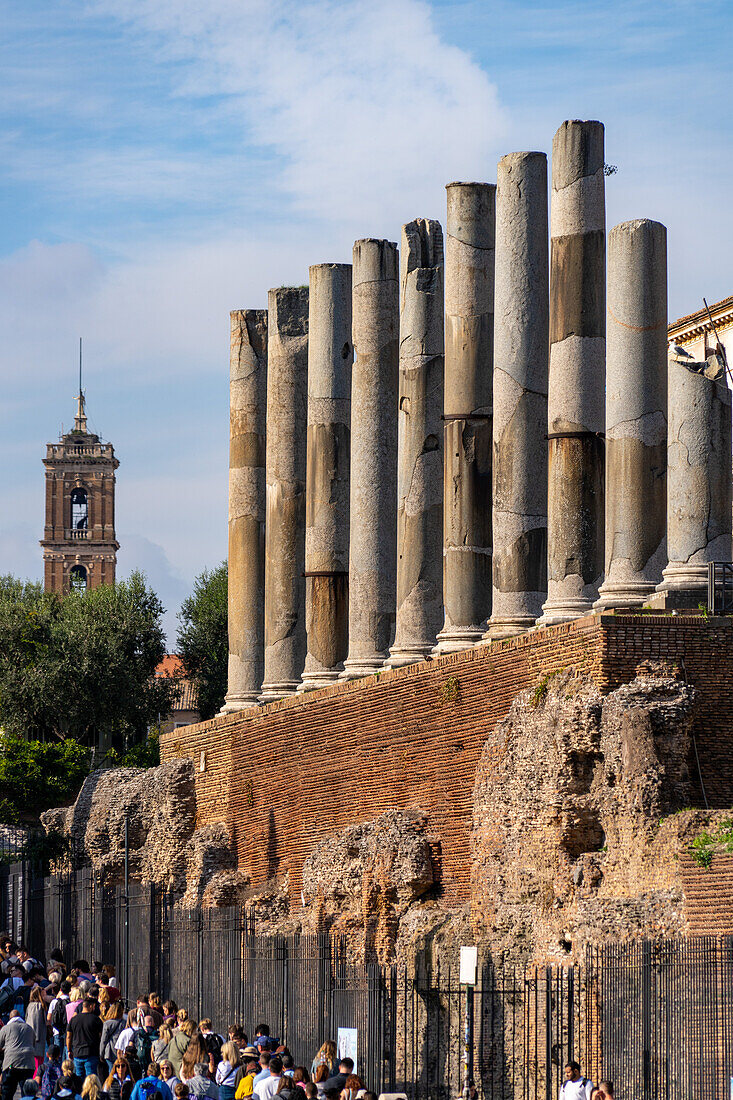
(427, 452)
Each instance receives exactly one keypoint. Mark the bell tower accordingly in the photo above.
(79, 544)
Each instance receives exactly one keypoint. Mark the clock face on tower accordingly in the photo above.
(79, 543)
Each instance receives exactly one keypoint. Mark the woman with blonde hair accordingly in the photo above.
(119, 1084)
(326, 1056)
(73, 1006)
(92, 1089)
(226, 1071)
(159, 1049)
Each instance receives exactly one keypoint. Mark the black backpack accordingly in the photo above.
(213, 1045)
(7, 999)
(58, 1019)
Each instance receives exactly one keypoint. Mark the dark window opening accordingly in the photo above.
(79, 509)
(78, 578)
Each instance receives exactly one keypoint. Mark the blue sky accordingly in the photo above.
(165, 161)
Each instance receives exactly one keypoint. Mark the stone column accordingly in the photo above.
(247, 416)
(577, 372)
(699, 477)
(469, 356)
(636, 414)
(330, 356)
(521, 330)
(287, 371)
(373, 504)
(419, 450)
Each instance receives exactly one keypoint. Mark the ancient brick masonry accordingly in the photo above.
(411, 739)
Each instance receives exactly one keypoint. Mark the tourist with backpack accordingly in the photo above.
(151, 1087)
(56, 1017)
(575, 1087)
(50, 1072)
(145, 1036)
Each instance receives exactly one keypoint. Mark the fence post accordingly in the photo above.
(126, 941)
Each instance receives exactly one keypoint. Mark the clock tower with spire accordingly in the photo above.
(79, 544)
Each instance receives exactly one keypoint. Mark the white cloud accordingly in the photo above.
(368, 108)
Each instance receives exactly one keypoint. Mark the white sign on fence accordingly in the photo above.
(469, 962)
(347, 1043)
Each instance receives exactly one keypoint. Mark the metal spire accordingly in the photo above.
(80, 420)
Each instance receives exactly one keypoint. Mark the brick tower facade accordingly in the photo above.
(79, 544)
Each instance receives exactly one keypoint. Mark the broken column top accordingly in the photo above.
(422, 244)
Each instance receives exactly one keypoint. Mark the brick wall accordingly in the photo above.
(287, 775)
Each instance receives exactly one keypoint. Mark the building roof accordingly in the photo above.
(187, 696)
(699, 319)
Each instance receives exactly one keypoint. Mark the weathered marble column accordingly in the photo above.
(420, 445)
(373, 503)
(469, 357)
(636, 414)
(521, 328)
(287, 370)
(699, 475)
(247, 416)
(577, 372)
(330, 356)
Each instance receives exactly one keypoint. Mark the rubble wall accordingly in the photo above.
(288, 776)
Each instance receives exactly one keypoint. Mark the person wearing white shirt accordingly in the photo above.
(127, 1035)
(266, 1089)
(574, 1086)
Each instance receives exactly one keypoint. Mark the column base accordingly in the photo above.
(508, 627)
(680, 576)
(233, 703)
(399, 656)
(271, 693)
(322, 678)
(356, 667)
(620, 594)
(456, 639)
(564, 611)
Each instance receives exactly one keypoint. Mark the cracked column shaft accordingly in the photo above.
(699, 475)
(577, 372)
(287, 369)
(469, 356)
(636, 413)
(330, 357)
(373, 501)
(246, 560)
(521, 328)
(420, 451)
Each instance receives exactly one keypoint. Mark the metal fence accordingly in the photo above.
(656, 1017)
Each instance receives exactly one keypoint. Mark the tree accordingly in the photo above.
(203, 641)
(36, 775)
(81, 667)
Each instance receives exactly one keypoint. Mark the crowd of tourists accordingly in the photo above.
(67, 1033)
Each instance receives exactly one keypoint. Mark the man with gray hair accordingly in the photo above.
(17, 1046)
(201, 1084)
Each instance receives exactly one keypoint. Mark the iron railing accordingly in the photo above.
(720, 587)
(655, 1016)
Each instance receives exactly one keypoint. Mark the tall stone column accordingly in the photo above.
(420, 450)
(636, 414)
(330, 357)
(521, 329)
(469, 357)
(246, 564)
(287, 372)
(577, 372)
(698, 478)
(373, 504)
